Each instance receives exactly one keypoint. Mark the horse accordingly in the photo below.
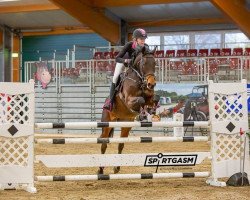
(135, 93)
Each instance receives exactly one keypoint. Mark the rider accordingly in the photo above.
(130, 48)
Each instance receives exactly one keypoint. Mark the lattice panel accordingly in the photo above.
(14, 151)
(228, 147)
(228, 107)
(14, 108)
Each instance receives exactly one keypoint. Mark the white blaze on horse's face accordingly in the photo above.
(145, 68)
(149, 70)
(151, 82)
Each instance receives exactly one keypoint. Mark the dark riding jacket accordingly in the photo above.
(130, 49)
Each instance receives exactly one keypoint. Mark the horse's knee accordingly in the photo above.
(135, 103)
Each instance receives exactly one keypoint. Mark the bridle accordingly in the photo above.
(138, 67)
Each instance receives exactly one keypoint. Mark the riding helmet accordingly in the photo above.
(139, 33)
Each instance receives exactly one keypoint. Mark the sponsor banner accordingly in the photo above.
(170, 160)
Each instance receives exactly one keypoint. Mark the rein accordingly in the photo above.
(137, 68)
(143, 77)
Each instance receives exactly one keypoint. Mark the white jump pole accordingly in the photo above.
(121, 140)
(121, 176)
(80, 125)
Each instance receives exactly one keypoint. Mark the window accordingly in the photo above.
(234, 40)
(207, 41)
(174, 42)
(153, 41)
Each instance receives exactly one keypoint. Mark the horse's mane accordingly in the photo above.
(141, 54)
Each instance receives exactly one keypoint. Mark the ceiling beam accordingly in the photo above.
(92, 18)
(237, 12)
(58, 31)
(117, 3)
(178, 22)
(27, 8)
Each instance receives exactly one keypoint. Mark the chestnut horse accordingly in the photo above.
(136, 92)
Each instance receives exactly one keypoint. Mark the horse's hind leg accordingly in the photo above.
(124, 133)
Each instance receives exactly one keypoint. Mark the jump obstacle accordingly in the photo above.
(228, 117)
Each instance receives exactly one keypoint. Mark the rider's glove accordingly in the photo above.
(127, 61)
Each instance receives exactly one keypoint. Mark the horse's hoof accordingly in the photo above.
(116, 170)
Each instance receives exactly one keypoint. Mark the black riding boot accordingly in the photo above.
(109, 104)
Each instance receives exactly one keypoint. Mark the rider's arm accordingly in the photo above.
(119, 58)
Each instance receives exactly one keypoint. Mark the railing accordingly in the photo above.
(183, 69)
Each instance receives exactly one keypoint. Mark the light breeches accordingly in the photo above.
(119, 68)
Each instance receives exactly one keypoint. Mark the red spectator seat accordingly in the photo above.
(170, 53)
(214, 52)
(82, 66)
(108, 55)
(181, 53)
(234, 63)
(115, 53)
(237, 52)
(186, 70)
(98, 55)
(192, 52)
(246, 63)
(247, 52)
(109, 67)
(64, 72)
(172, 65)
(203, 52)
(159, 54)
(213, 68)
(225, 52)
(213, 65)
(191, 66)
(100, 66)
(179, 65)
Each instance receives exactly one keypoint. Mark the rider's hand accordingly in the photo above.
(127, 61)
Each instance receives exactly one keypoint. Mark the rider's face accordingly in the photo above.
(140, 41)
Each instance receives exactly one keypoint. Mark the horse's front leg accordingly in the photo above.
(135, 103)
(124, 133)
(105, 134)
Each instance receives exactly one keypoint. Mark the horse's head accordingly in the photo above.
(145, 63)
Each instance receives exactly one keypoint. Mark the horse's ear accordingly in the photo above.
(153, 51)
(143, 50)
